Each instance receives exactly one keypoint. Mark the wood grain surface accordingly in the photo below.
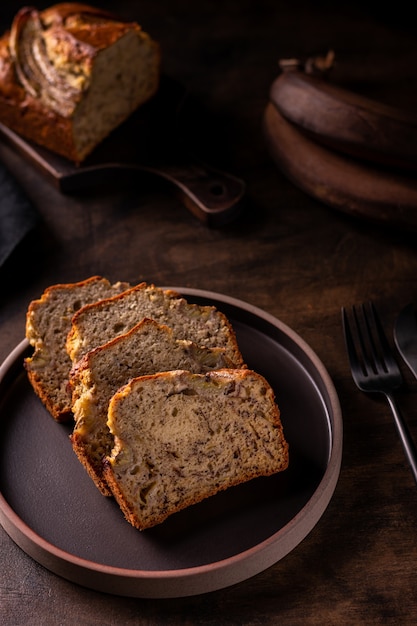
(288, 254)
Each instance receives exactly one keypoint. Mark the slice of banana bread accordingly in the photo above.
(146, 349)
(182, 437)
(97, 323)
(48, 321)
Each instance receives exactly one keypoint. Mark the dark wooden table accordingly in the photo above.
(288, 254)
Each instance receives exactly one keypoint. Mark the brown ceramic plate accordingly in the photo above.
(52, 510)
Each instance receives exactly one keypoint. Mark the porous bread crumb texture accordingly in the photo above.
(124, 76)
(147, 348)
(98, 323)
(48, 321)
(182, 437)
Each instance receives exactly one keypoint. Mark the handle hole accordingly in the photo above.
(217, 189)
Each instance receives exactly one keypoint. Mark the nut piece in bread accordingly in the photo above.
(48, 321)
(98, 323)
(182, 437)
(71, 74)
(146, 349)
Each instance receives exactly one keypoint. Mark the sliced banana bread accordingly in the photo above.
(181, 437)
(147, 348)
(48, 321)
(97, 323)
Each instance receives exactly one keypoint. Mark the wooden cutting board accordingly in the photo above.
(150, 143)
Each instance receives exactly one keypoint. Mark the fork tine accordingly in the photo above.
(369, 351)
(353, 355)
(382, 353)
(366, 343)
(369, 326)
(359, 343)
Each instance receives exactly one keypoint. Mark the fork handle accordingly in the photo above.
(405, 435)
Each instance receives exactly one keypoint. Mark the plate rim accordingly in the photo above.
(202, 578)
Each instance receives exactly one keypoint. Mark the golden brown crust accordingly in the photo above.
(116, 491)
(58, 13)
(75, 23)
(62, 415)
(83, 454)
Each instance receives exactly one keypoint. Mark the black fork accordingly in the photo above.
(374, 368)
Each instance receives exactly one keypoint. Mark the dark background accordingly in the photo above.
(288, 254)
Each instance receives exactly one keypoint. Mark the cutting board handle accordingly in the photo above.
(214, 197)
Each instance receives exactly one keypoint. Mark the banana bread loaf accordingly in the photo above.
(97, 323)
(71, 74)
(48, 321)
(182, 437)
(146, 349)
